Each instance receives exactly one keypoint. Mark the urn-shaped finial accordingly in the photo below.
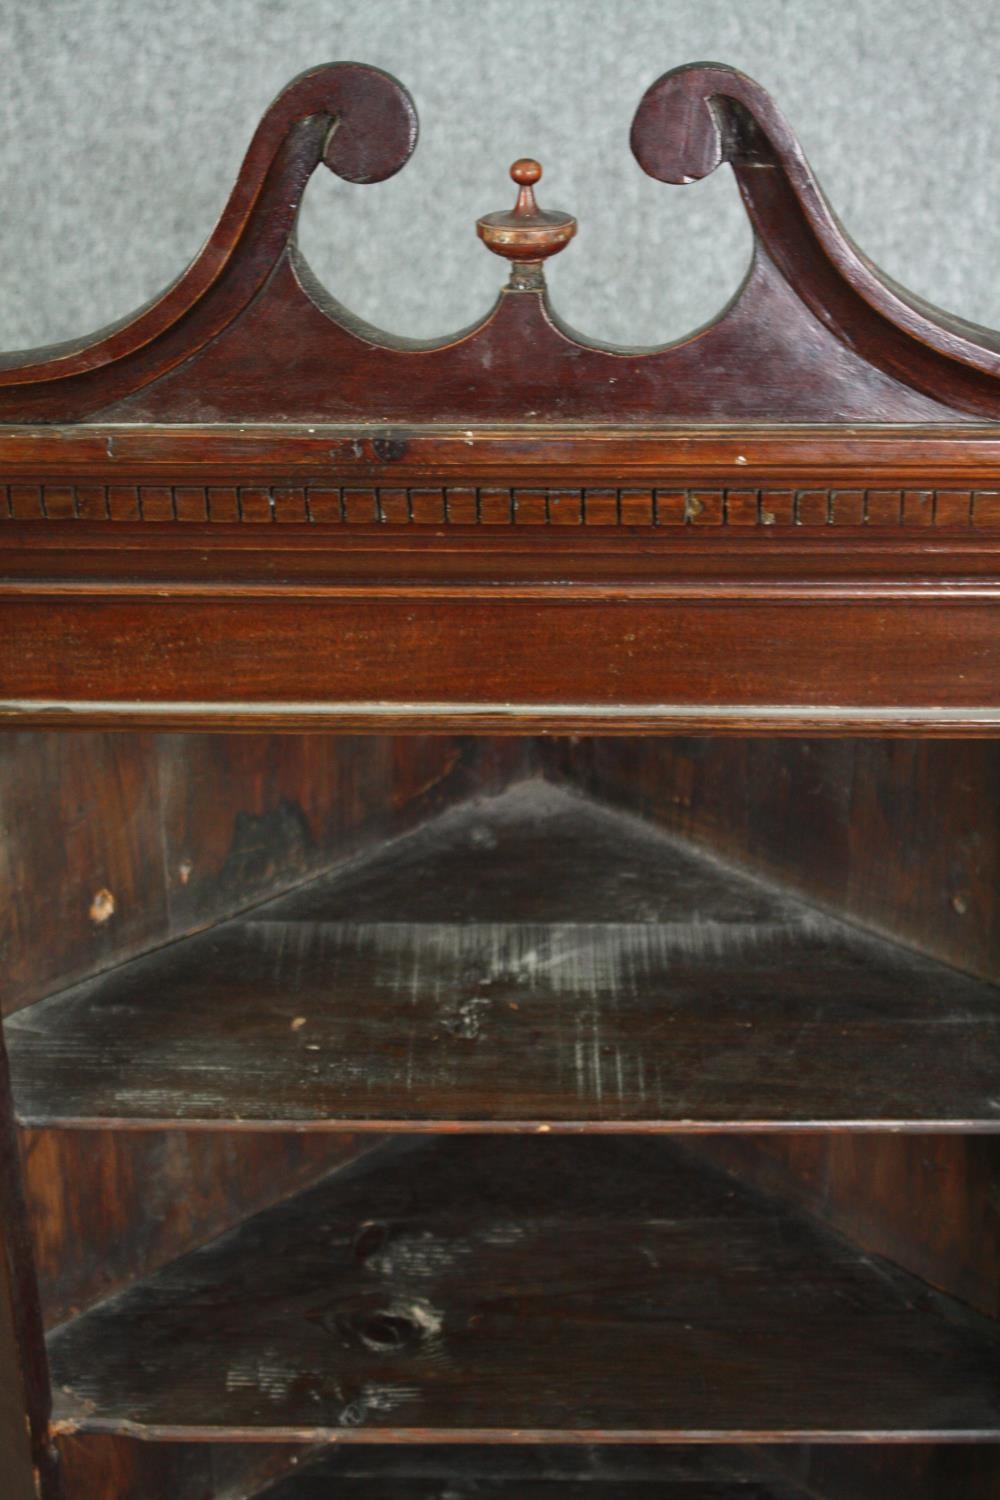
(526, 234)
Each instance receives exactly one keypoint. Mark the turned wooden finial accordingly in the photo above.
(526, 234)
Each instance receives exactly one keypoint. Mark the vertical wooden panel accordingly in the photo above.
(245, 816)
(926, 1202)
(27, 1463)
(81, 871)
(15, 1442)
(111, 844)
(99, 1466)
(900, 835)
(107, 1207)
(861, 1471)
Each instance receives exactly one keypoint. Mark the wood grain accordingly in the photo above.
(927, 1202)
(103, 1466)
(244, 509)
(526, 960)
(108, 1207)
(507, 1291)
(901, 836)
(27, 1459)
(247, 334)
(818, 1472)
(565, 663)
(115, 844)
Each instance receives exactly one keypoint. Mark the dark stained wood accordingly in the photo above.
(316, 1487)
(902, 836)
(526, 960)
(694, 118)
(357, 120)
(506, 1290)
(857, 663)
(818, 1472)
(834, 1471)
(27, 1459)
(108, 1207)
(246, 334)
(856, 514)
(246, 816)
(103, 1466)
(114, 844)
(803, 456)
(15, 1438)
(927, 1202)
(244, 509)
(80, 817)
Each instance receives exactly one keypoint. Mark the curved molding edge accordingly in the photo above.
(359, 121)
(696, 117)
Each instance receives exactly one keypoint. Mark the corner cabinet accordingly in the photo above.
(501, 872)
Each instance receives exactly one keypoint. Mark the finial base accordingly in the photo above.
(526, 276)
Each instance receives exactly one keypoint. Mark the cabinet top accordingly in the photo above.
(816, 335)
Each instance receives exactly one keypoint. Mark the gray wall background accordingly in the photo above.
(124, 121)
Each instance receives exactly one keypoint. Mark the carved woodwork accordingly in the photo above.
(243, 509)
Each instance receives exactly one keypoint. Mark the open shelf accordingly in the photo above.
(523, 1472)
(525, 960)
(317, 1485)
(489, 1289)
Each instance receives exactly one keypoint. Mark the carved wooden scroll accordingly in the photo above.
(815, 334)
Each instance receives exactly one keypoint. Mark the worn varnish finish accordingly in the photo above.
(104, 1466)
(246, 334)
(178, 831)
(107, 1207)
(27, 1457)
(927, 1202)
(529, 959)
(242, 509)
(899, 835)
(556, 661)
(822, 403)
(690, 1472)
(514, 1290)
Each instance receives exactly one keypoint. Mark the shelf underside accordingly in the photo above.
(461, 1482)
(661, 1472)
(308, 1487)
(547, 1472)
(528, 960)
(488, 1288)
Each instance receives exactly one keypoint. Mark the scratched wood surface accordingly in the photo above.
(107, 1466)
(526, 959)
(246, 334)
(902, 836)
(926, 1202)
(317, 1487)
(108, 1206)
(518, 1289)
(116, 843)
(810, 1472)
(543, 1473)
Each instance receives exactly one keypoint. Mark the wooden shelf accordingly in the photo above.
(538, 1473)
(529, 960)
(490, 1289)
(317, 1487)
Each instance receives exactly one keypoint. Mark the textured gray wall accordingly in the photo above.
(125, 120)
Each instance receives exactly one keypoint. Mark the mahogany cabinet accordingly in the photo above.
(501, 872)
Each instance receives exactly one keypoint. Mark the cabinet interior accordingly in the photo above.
(389, 1107)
